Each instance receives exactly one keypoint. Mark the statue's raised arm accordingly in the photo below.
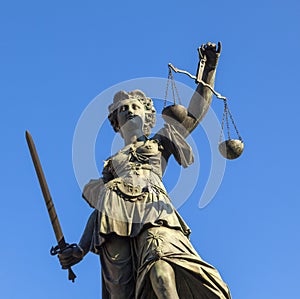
(201, 99)
(184, 120)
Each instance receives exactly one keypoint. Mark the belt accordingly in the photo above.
(133, 192)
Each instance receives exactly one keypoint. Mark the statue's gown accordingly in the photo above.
(134, 205)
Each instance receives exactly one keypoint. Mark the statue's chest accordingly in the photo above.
(146, 155)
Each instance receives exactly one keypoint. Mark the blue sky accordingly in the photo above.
(57, 56)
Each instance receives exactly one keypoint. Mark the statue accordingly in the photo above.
(142, 241)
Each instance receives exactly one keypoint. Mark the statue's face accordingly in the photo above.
(131, 114)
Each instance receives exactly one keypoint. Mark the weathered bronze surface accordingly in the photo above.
(231, 149)
(142, 241)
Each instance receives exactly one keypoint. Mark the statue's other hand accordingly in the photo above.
(70, 256)
(211, 52)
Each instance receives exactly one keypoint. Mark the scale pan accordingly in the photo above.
(174, 112)
(231, 149)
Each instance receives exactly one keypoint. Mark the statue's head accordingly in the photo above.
(143, 111)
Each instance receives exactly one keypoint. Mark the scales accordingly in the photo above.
(229, 148)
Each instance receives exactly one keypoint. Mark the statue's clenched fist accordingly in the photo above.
(70, 256)
(211, 53)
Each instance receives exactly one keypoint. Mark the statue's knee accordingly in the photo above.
(162, 273)
(163, 282)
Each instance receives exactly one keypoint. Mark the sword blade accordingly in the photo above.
(45, 190)
(49, 203)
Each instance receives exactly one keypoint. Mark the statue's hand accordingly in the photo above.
(211, 52)
(70, 256)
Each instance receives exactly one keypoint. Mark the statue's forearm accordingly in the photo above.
(200, 101)
(209, 75)
(86, 239)
(202, 97)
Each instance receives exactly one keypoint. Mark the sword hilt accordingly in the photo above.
(59, 249)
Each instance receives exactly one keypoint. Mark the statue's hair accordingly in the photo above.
(150, 112)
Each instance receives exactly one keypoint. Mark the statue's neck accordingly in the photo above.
(133, 136)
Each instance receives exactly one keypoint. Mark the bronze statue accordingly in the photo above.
(142, 241)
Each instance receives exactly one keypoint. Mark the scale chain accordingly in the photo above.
(226, 117)
(175, 93)
(235, 127)
(167, 88)
(218, 95)
(222, 127)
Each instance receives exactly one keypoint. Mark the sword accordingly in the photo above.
(62, 244)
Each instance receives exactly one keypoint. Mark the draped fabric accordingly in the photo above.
(195, 278)
(131, 202)
(124, 214)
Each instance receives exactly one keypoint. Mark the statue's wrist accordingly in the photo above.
(83, 251)
(211, 64)
(211, 68)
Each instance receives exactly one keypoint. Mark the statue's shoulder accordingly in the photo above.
(175, 144)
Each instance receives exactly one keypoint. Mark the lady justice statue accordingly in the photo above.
(142, 241)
